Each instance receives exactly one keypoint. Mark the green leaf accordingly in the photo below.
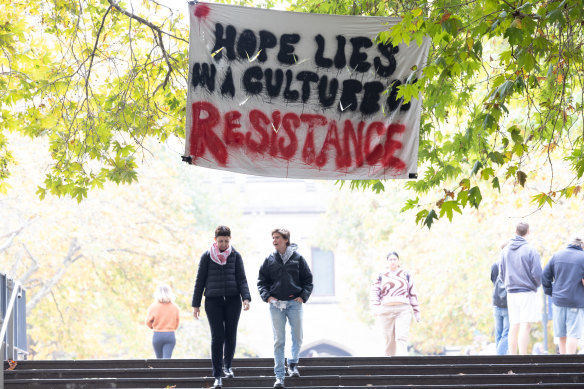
(410, 204)
(541, 199)
(429, 219)
(516, 134)
(448, 208)
(487, 173)
(518, 149)
(421, 215)
(521, 178)
(477, 166)
(514, 35)
(497, 157)
(462, 197)
(378, 187)
(475, 197)
(495, 183)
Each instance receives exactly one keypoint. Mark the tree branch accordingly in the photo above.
(92, 56)
(70, 258)
(31, 270)
(13, 234)
(143, 21)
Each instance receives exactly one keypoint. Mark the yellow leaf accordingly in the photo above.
(516, 23)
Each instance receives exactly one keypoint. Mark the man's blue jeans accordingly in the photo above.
(293, 313)
(501, 329)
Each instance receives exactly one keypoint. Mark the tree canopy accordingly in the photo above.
(502, 91)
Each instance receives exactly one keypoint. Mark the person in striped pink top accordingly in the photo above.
(393, 298)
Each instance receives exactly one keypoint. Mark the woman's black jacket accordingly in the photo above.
(217, 280)
(285, 281)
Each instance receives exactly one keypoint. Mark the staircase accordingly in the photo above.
(522, 372)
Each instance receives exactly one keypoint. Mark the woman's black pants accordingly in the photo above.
(223, 314)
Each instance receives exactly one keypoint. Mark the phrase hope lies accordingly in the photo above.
(356, 54)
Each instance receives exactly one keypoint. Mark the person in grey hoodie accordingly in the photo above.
(563, 279)
(520, 270)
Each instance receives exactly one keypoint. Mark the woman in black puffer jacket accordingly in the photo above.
(221, 278)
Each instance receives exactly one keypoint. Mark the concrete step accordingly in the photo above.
(501, 372)
(171, 372)
(318, 361)
(503, 380)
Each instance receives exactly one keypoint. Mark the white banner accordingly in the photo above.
(287, 94)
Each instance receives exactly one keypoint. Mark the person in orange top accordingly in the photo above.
(163, 318)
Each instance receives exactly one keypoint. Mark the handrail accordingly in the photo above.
(15, 292)
(9, 310)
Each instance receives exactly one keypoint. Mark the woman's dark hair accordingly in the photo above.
(222, 231)
(392, 253)
(285, 234)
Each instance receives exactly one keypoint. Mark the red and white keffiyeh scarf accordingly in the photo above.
(218, 256)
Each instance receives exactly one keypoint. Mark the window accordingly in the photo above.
(323, 272)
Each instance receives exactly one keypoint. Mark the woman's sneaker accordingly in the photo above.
(228, 372)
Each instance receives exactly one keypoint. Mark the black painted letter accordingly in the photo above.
(250, 86)
(318, 57)
(286, 53)
(228, 42)
(359, 59)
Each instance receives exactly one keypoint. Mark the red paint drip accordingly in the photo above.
(202, 11)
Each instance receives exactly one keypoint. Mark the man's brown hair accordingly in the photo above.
(285, 234)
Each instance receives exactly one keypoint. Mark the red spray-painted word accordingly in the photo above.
(285, 135)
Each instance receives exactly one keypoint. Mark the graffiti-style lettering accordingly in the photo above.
(371, 95)
(306, 78)
(319, 59)
(358, 59)
(277, 135)
(388, 52)
(354, 97)
(227, 87)
(260, 123)
(326, 100)
(332, 139)
(204, 75)
(290, 94)
(267, 41)
(205, 118)
(246, 44)
(274, 89)
(286, 53)
(224, 43)
(349, 95)
(340, 58)
(249, 84)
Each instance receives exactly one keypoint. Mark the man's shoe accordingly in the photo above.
(218, 383)
(228, 372)
(293, 370)
(279, 383)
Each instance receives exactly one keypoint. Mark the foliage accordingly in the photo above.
(96, 80)
(502, 93)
